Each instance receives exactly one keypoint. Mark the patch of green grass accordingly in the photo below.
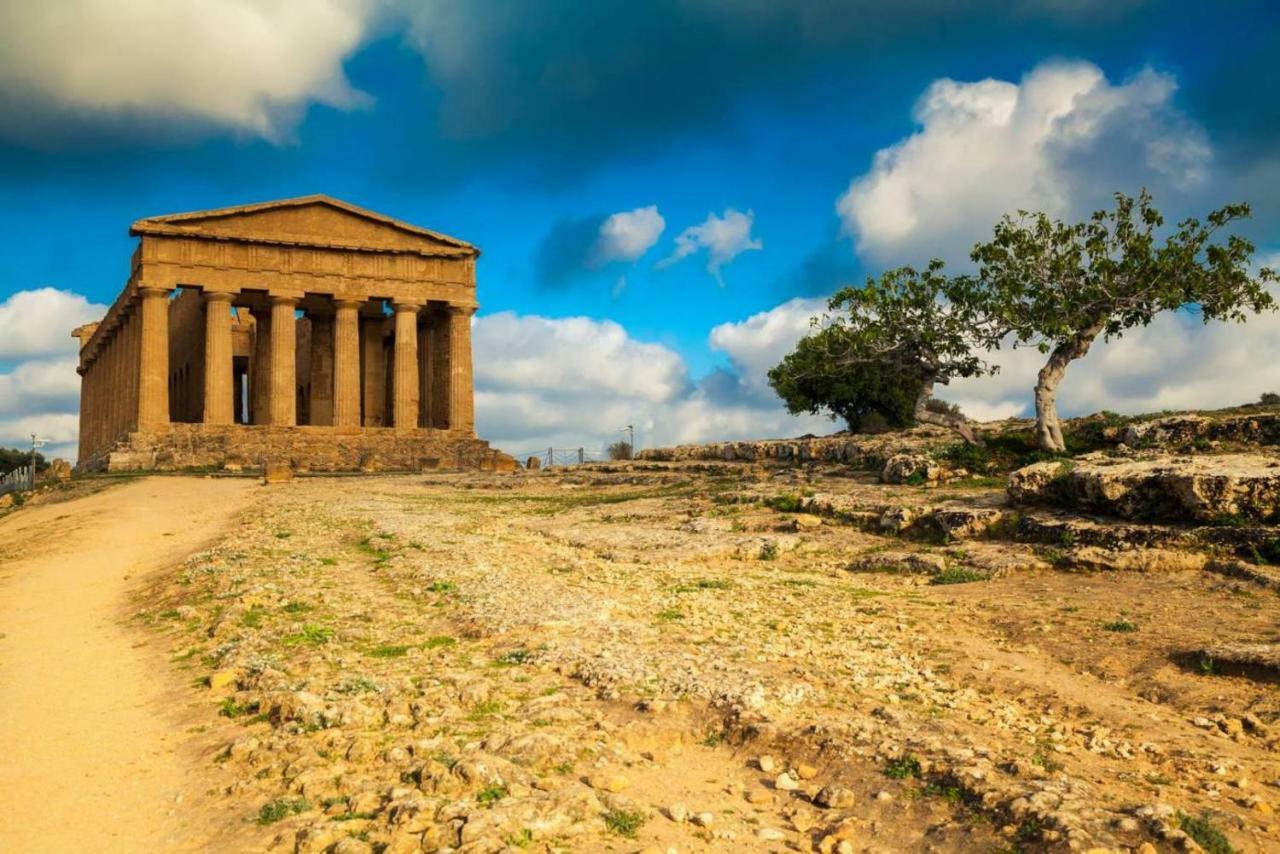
(295, 607)
(442, 587)
(670, 615)
(388, 651)
(958, 575)
(281, 808)
(523, 839)
(624, 822)
(903, 767)
(1228, 520)
(312, 634)
(1122, 626)
(512, 658)
(785, 503)
(378, 552)
(490, 796)
(799, 582)
(485, 709)
(1208, 666)
(252, 618)
(328, 561)
(283, 535)
(769, 551)
(438, 642)
(228, 708)
(1208, 837)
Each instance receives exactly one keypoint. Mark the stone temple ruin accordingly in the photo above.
(305, 331)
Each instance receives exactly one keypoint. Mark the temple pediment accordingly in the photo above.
(306, 221)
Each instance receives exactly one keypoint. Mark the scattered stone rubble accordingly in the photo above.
(654, 657)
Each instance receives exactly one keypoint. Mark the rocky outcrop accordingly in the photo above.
(857, 449)
(915, 469)
(1230, 489)
(1190, 431)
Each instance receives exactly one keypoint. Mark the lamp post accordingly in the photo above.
(631, 438)
(36, 442)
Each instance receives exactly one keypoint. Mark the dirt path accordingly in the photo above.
(92, 759)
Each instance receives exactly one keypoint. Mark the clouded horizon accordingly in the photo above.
(664, 192)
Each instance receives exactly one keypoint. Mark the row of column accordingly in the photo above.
(273, 385)
(125, 385)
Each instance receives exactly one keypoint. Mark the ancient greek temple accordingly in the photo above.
(307, 331)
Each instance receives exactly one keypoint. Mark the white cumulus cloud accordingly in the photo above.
(1061, 140)
(626, 235)
(39, 322)
(723, 237)
(247, 64)
(574, 382)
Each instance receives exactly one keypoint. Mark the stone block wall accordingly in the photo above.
(185, 446)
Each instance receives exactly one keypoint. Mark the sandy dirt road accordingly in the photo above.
(92, 755)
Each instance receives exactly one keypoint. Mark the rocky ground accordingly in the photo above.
(699, 656)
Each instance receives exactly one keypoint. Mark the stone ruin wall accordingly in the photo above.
(321, 449)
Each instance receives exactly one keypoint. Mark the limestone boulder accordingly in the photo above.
(916, 469)
(1221, 489)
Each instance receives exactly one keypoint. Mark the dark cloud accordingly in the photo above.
(561, 258)
(829, 266)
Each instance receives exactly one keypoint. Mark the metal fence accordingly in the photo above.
(22, 478)
(565, 456)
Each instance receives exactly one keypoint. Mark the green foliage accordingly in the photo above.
(13, 458)
(438, 641)
(620, 450)
(280, 809)
(870, 398)
(1120, 626)
(1208, 837)
(883, 346)
(1059, 286)
(490, 796)
(388, 651)
(903, 767)
(311, 635)
(956, 575)
(785, 503)
(624, 822)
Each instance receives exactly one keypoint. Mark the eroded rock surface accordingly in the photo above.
(1209, 489)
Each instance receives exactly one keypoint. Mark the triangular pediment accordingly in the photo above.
(310, 220)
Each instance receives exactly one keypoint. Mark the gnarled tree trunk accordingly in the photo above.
(1048, 426)
(924, 415)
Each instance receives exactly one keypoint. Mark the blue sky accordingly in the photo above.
(523, 127)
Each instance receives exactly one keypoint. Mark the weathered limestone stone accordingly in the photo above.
(1235, 488)
(277, 472)
(912, 468)
(293, 334)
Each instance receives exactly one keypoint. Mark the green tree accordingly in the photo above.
(884, 347)
(12, 458)
(1060, 286)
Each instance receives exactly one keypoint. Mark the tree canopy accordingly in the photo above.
(1058, 286)
(884, 347)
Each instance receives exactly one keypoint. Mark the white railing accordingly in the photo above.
(22, 478)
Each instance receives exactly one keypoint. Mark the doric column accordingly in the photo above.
(284, 358)
(461, 401)
(153, 358)
(218, 399)
(405, 398)
(346, 364)
(321, 385)
(375, 373)
(260, 379)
